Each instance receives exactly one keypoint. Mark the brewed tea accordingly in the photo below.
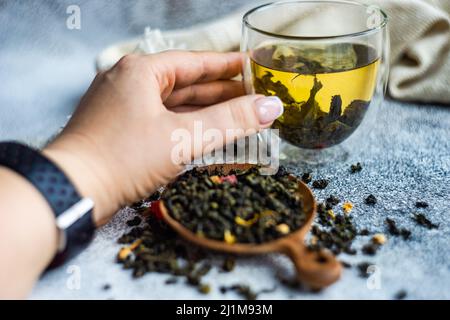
(326, 90)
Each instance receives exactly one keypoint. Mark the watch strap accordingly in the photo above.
(73, 214)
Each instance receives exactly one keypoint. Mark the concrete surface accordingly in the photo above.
(45, 68)
(408, 160)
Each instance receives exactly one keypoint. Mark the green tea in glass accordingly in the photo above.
(327, 62)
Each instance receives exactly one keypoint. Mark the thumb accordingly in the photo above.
(235, 118)
(247, 112)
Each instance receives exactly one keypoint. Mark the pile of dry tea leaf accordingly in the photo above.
(154, 247)
(151, 246)
(242, 207)
(334, 231)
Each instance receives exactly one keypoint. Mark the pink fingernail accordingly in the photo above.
(269, 109)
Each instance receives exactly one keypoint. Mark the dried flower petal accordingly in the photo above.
(231, 179)
(216, 179)
(331, 214)
(155, 209)
(347, 207)
(124, 253)
(246, 223)
(283, 228)
(229, 237)
(379, 238)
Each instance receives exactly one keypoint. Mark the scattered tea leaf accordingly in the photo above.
(229, 264)
(332, 201)
(395, 231)
(421, 204)
(423, 221)
(363, 269)
(402, 294)
(364, 232)
(370, 248)
(134, 222)
(307, 177)
(320, 184)
(204, 288)
(392, 227)
(370, 200)
(346, 265)
(243, 290)
(171, 280)
(354, 168)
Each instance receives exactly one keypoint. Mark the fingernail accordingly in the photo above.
(269, 109)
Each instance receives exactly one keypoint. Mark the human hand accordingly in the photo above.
(117, 147)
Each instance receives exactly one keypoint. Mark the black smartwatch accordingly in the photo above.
(72, 212)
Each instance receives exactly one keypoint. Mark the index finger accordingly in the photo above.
(187, 67)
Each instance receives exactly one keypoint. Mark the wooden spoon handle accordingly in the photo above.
(316, 269)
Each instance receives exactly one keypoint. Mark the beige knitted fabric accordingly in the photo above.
(420, 45)
(420, 49)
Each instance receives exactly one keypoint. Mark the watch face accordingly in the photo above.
(74, 213)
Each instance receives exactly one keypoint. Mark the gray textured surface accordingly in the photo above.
(406, 160)
(45, 68)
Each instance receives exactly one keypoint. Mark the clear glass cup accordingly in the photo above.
(328, 62)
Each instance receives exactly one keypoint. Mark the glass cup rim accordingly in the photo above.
(347, 35)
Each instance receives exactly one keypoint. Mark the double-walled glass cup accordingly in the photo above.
(327, 61)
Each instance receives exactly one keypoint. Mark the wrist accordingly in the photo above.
(24, 211)
(89, 175)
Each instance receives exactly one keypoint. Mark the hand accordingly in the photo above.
(117, 147)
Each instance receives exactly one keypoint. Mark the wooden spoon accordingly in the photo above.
(316, 269)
